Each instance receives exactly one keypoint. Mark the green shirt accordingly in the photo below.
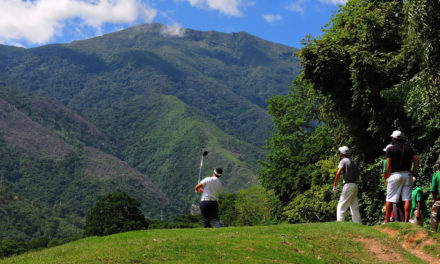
(435, 187)
(417, 197)
(384, 166)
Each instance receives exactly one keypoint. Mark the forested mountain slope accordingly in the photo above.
(160, 100)
(50, 175)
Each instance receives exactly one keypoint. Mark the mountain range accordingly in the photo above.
(133, 111)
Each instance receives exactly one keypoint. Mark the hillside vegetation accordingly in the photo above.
(152, 101)
(302, 243)
(50, 176)
(375, 69)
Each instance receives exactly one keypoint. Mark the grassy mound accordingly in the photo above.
(303, 243)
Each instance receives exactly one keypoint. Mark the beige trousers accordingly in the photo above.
(434, 216)
(349, 199)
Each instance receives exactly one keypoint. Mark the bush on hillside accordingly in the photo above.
(227, 210)
(315, 205)
(187, 221)
(115, 213)
(11, 248)
(253, 206)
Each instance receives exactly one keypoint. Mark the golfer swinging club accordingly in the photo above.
(211, 187)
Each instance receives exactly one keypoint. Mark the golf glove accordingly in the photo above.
(335, 190)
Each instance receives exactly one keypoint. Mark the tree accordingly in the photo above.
(300, 142)
(227, 210)
(355, 59)
(10, 248)
(252, 206)
(377, 68)
(315, 205)
(377, 65)
(115, 213)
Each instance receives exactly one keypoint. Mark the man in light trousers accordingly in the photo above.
(400, 159)
(349, 195)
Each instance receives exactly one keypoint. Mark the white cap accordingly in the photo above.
(344, 150)
(396, 134)
(385, 149)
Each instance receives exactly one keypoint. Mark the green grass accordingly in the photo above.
(303, 243)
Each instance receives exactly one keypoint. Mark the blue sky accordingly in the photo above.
(31, 23)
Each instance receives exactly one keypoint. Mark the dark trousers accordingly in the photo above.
(210, 212)
(398, 211)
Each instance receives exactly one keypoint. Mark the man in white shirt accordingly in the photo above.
(211, 187)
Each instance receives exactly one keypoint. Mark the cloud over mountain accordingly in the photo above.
(40, 20)
(175, 30)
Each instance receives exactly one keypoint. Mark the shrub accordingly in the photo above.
(315, 205)
(10, 248)
(115, 213)
(252, 206)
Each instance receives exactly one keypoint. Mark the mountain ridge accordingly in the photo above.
(156, 102)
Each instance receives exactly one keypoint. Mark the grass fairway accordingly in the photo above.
(303, 243)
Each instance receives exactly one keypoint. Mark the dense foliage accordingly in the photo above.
(49, 175)
(314, 205)
(384, 79)
(22, 218)
(375, 69)
(250, 207)
(10, 247)
(114, 213)
(300, 146)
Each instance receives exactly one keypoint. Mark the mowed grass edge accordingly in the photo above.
(300, 243)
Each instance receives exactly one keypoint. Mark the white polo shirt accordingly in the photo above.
(212, 188)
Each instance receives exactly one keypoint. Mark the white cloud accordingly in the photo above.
(175, 30)
(227, 7)
(38, 21)
(334, 2)
(297, 6)
(272, 18)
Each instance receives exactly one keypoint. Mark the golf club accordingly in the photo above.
(205, 153)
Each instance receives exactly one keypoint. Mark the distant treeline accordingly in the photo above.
(248, 207)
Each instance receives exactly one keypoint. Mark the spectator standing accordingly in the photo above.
(397, 214)
(349, 195)
(400, 157)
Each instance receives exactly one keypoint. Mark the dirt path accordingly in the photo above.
(414, 243)
(378, 251)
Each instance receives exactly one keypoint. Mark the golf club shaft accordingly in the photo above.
(200, 171)
(201, 164)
